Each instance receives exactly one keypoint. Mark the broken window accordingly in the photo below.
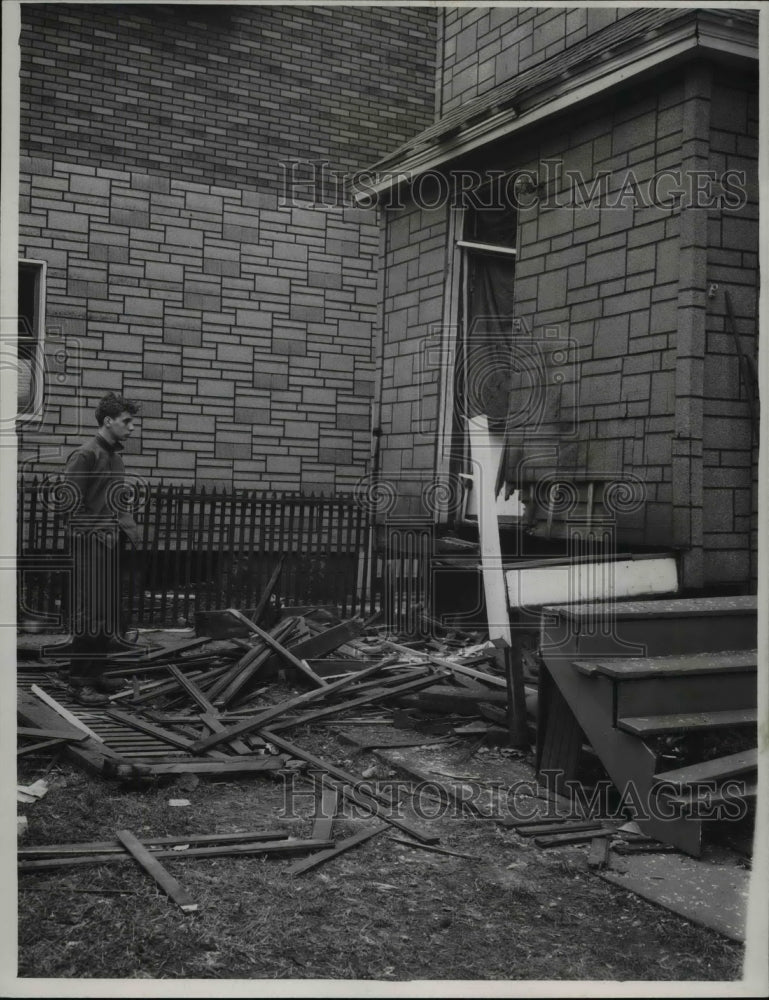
(484, 357)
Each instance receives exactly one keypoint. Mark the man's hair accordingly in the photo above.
(112, 405)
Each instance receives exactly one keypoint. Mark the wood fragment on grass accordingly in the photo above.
(170, 886)
(113, 847)
(287, 846)
(434, 849)
(344, 845)
(570, 838)
(327, 804)
(598, 857)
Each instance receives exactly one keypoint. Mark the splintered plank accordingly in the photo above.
(280, 649)
(230, 765)
(369, 698)
(50, 734)
(535, 829)
(329, 640)
(64, 713)
(217, 851)
(442, 661)
(164, 653)
(434, 849)
(114, 847)
(170, 886)
(42, 745)
(355, 789)
(257, 721)
(92, 753)
(344, 845)
(202, 702)
(164, 735)
(571, 838)
(264, 600)
(325, 814)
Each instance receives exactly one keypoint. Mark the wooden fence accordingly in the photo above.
(201, 549)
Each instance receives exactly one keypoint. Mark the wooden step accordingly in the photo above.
(692, 803)
(650, 628)
(637, 667)
(718, 769)
(659, 725)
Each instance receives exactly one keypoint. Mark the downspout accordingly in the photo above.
(376, 409)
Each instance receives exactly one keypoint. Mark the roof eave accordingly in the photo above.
(711, 36)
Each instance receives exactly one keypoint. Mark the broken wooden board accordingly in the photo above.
(434, 849)
(356, 789)
(442, 661)
(114, 847)
(288, 846)
(598, 857)
(30, 732)
(283, 652)
(328, 640)
(170, 886)
(344, 845)
(325, 813)
(370, 698)
(263, 718)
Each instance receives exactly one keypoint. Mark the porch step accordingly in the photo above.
(660, 725)
(635, 668)
(719, 769)
(650, 628)
(704, 805)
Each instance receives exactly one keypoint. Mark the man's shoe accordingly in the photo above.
(109, 685)
(90, 697)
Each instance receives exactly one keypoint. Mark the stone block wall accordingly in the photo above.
(729, 471)
(156, 142)
(415, 274)
(243, 329)
(598, 263)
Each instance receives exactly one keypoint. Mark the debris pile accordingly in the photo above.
(206, 707)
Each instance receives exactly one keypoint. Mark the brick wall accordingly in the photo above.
(151, 185)
(223, 93)
(729, 483)
(485, 46)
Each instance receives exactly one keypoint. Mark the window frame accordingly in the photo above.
(33, 412)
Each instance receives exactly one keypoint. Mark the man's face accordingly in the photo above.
(120, 427)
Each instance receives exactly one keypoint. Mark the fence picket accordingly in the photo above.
(204, 548)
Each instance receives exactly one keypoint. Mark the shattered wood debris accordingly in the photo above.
(204, 706)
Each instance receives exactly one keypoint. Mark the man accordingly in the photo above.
(96, 473)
